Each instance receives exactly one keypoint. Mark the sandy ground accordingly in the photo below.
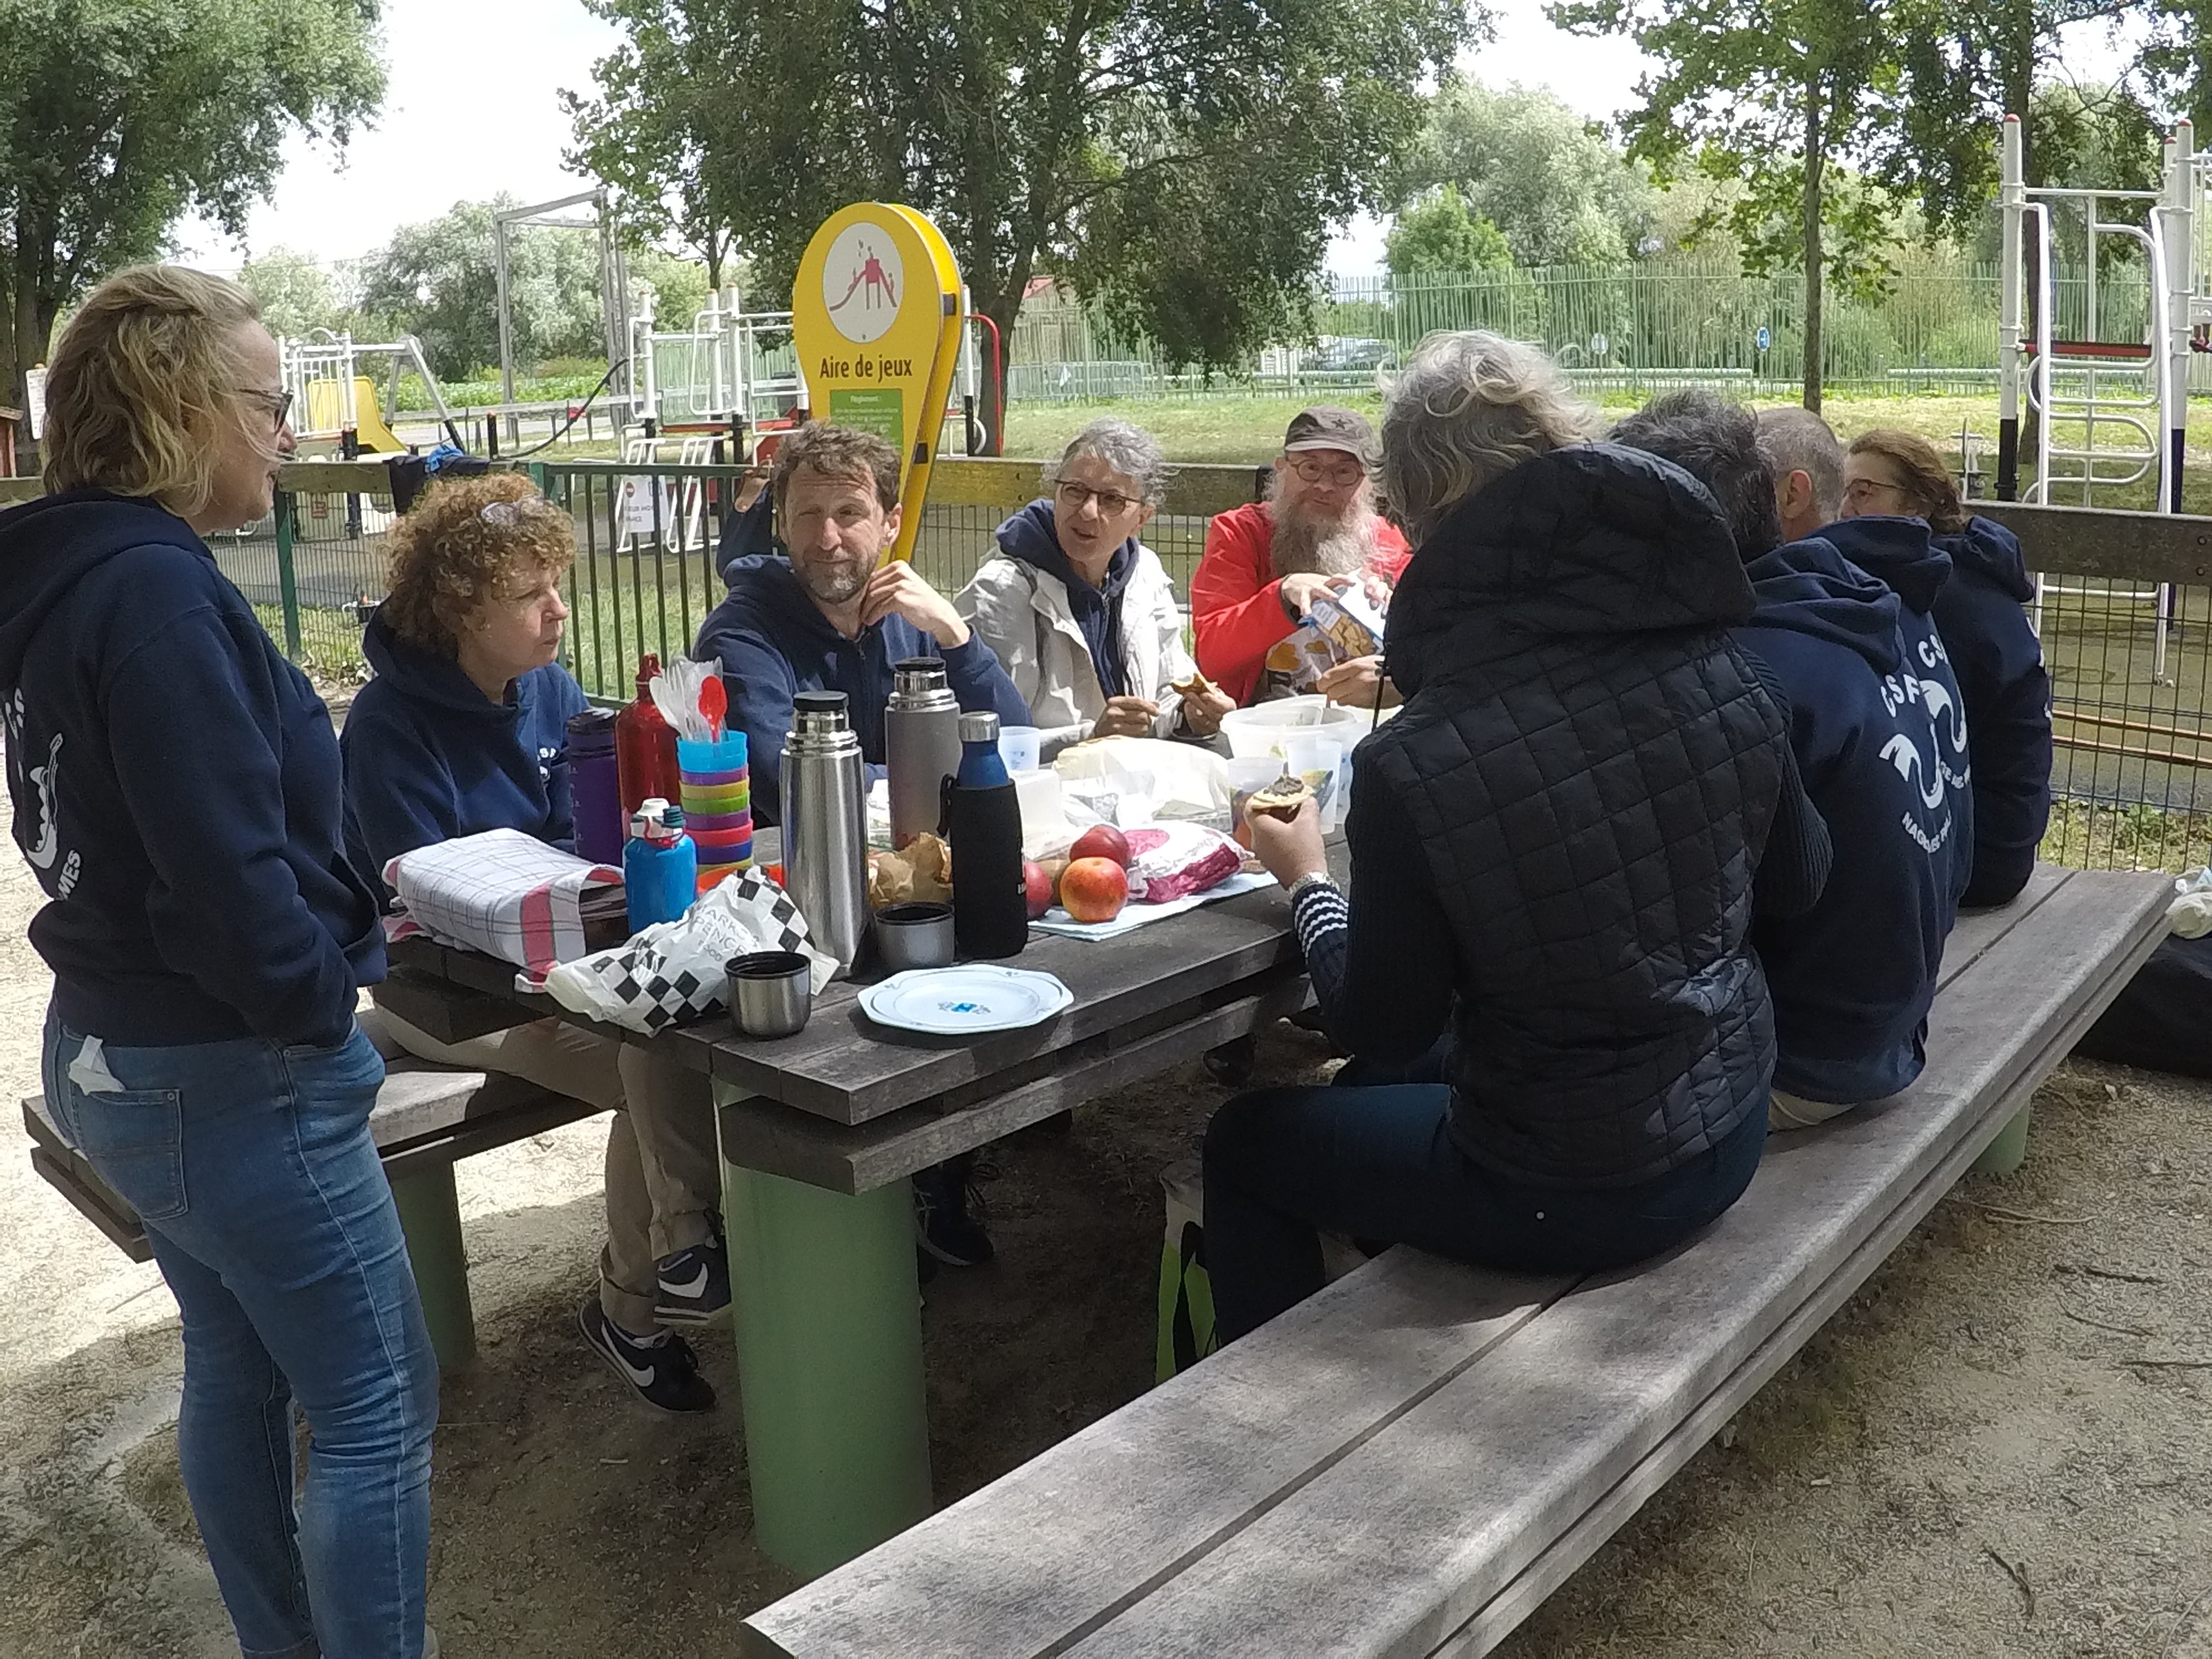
(1973, 1459)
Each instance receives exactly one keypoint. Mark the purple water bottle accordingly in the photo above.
(595, 787)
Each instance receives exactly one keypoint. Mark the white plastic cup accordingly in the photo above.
(1019, 746)
(1314, 758)
(1247, 777)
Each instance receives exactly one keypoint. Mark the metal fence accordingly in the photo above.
(1933, 325)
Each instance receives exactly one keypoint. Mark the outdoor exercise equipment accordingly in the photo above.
(2109, 412)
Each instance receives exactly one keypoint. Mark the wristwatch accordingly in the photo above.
(1312, 878)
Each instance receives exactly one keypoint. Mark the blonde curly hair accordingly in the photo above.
(460, 543)
(144, 382)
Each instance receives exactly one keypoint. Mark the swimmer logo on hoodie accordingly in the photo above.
(43, 844)
(1943, 767)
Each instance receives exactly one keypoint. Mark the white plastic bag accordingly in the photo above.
(673, 972)
(2190, 915)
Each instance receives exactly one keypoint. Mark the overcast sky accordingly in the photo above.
(471, 111)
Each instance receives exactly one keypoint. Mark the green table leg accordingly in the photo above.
(430, 1216)
(828, 1322)
(2010, 1150)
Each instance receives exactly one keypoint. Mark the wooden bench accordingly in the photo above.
(1410, 1461)
(427, 1118)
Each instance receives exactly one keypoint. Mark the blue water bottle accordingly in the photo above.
(661, 866)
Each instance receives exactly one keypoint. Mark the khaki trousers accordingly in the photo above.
(663, 1175)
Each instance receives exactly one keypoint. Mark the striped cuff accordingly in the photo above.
(1318, 910)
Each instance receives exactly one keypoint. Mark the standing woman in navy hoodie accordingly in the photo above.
(175, 784)
(463, 730)
(1994, 651)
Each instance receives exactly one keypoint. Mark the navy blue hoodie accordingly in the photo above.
(1032, 536)
(429, 757)
(1880, 733)
(774, 642)
(175, 783)
(1999, 663)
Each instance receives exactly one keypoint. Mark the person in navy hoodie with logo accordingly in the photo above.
(465, 730)
(1879, 732)
(175, 785)
(1994, 651)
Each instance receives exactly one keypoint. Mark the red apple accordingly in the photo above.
(1038, 886)
(1094, 890)
(1101, 840)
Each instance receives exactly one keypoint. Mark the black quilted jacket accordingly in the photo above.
(1591, 769)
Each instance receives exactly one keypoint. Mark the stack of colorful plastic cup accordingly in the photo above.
(718, 805)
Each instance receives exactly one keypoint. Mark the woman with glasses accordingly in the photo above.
(175, 783)
(1985, 632)
(1080, 612)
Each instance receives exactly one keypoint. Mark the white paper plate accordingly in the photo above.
(965, 1001)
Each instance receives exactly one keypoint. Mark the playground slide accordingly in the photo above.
(326, 414)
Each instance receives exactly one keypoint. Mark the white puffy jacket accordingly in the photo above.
(1024, 615)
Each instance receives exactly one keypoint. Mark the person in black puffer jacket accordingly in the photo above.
(1993, 650)
(1554, 849)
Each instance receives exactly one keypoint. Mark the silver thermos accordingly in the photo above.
(825, 848)
(921, 746)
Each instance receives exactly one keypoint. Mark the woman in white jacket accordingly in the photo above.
(1080, 613)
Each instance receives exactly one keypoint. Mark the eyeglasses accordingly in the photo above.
(506, 514)
(1344, 475)
(278, 404)
(1859, 489)
(1111, 502)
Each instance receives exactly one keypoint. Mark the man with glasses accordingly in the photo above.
(1316, 532)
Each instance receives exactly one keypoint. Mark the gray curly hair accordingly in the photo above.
(1470, 407)
(1126, 447)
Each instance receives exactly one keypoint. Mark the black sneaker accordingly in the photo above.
(664, 1373)
(694, 1285)
(948, 1213)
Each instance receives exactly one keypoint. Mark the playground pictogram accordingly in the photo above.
(863, 281)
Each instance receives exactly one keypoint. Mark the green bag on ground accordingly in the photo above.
(1186, 1293)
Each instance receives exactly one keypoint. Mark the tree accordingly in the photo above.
(295, 294)
(116, 118)
(645, 133)
(1773, 92)
(679, 286)
(1179, 161)
(436, 280)
(1561, 193)
(1440, 235)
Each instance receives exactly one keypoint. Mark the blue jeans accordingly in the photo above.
(1375, 1158)
(253, 1168)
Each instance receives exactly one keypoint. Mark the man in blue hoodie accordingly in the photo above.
(839, 612)
(835, 616)
(1880, 732)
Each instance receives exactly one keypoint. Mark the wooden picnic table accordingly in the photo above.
(818, 1133)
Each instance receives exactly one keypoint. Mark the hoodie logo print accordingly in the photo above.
(1899, 752)
(46, 780)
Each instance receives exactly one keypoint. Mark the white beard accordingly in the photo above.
(1339, 547)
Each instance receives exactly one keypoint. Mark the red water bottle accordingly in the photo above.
(645, 746)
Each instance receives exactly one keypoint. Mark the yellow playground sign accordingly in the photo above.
(875, 313)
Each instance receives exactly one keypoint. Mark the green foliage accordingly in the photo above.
(1525, 160)
(1440, 235)
(1179, 163)
(1772, 92)
(118, 119)
(294, 292)
(436, 280)
(679, 286)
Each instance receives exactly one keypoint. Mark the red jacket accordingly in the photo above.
(1236, 598)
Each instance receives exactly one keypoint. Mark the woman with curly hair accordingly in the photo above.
(175, 784)
(464, 729)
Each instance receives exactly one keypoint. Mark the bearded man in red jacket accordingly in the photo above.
(1265, 563)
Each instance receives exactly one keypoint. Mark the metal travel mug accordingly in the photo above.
(825, 847)
(921, 745)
